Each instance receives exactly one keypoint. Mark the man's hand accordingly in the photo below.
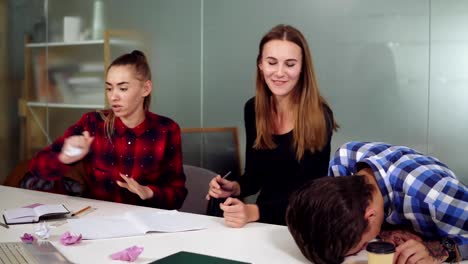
(410, 248)
(238, 214)
(398, 237)
(130, 184)
(417, 252)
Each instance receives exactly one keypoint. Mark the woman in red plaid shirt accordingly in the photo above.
(129, 154)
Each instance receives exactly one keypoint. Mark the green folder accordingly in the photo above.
(194, 258)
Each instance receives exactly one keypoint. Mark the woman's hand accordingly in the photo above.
(75, 148)
(238, 214)
(222, 188)
(130, 184)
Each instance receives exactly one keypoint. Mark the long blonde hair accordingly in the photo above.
(138, 60)
(310, 127)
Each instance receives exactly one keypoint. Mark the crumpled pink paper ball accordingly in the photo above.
(28, 238)
(68, 239)
(128, 254)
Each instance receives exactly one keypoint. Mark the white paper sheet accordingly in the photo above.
(134, 224)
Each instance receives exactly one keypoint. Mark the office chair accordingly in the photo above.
(72, 183)
(213, 148)
(197, 185)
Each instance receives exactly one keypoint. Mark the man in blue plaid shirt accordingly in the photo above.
(415, 195)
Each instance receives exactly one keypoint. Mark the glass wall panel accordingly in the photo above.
(377, 72)
(393, 71)
(371, 59)
(66, 68)
(172, 31)
(19, 20)
(448, 107)
(5, 161)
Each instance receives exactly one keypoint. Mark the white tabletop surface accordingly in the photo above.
(254, 243)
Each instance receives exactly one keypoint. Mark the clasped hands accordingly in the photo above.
(235, 212)
(80, 145)
(411, 249)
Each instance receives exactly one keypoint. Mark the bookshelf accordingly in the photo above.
(58, 44)
(62, 81)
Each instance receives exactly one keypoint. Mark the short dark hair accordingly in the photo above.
(326, 217)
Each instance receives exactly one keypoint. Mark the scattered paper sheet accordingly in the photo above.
(134, 224)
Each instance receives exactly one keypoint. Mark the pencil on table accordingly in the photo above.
(81, 211)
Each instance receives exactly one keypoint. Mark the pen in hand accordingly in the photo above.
(224, 178)
(226, 175)
(219, 185)
(81, 211)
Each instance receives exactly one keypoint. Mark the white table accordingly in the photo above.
(254, 243)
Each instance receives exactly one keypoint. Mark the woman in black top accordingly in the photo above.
(288, 127)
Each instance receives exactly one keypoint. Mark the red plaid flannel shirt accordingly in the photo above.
(149, 153)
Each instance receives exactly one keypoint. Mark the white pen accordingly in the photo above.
(227, 174)
(224, 177)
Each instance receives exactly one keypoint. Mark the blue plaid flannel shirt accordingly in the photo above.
(419, 191)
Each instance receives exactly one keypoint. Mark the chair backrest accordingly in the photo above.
(214, 148)
(72, 183)
(17, 174)
(197, 185)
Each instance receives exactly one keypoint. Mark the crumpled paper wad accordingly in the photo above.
(28, 238)
(68, 239)
(128, 254)
(42, 230)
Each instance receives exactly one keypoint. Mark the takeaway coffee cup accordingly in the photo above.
(380, 252)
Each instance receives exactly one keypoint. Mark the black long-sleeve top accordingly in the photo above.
(276, 172)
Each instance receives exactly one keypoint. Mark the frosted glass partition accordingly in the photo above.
(171, 32)
(448, 106)
(16, 19)
(172, 28)
(374, 71)
(371, 59)
(393, 71)
(64, 66)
